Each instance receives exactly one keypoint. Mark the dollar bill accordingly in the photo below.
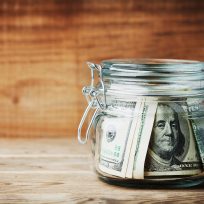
(116, 139)
(196, 111)
(172, 149)
(141, 139)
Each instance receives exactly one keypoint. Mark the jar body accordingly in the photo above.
(148, 127)
(150, 142)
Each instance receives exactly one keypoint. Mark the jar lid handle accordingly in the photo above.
(90, 105)
(97, 67)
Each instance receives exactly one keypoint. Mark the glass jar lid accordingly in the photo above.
(153, 77)
(143, 79)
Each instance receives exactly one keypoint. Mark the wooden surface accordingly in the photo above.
(60, 171)
(44, 45)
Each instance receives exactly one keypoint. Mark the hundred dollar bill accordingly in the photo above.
(172, 149)
(196, 111)
(116, 140)
(140, 143)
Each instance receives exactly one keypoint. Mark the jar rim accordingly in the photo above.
(155, 77)
(148, 61)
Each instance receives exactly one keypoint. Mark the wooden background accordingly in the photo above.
(44, 45)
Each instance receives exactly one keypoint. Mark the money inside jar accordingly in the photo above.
(148, 120)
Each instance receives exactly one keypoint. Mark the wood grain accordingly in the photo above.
(44, 46)
(60, 171)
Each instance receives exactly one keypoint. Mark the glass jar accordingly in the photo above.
(147, 128)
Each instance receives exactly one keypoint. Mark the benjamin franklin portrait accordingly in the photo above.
(168, 143)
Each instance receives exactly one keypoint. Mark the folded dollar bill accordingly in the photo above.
(172, 148)
(153, 139)
(141, 139)
(116, 139)
(196, 111)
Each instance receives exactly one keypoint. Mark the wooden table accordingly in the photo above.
(60, 171)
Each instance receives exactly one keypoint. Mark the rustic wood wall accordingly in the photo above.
(44, 44)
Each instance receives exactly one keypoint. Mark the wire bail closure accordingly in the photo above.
(91, 95)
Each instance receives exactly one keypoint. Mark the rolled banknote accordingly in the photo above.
(117, 133)
(196, 111)
(172, 149)
(141, 139)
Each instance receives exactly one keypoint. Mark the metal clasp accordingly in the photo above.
(91, 95)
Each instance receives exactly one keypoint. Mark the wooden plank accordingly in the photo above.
(56, 171)
(79, 187)
(45, 164)
(44, 47)
(42, 147)
(43, 155)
